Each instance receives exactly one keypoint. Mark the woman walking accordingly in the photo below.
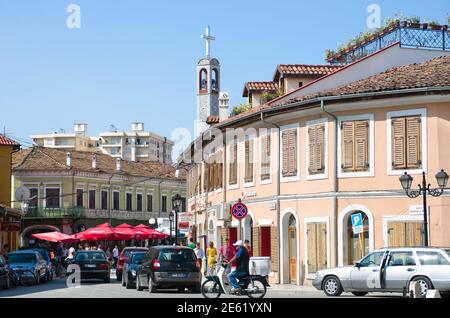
(211, 254)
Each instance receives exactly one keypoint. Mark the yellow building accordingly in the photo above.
(9, 218)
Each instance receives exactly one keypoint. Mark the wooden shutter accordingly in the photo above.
(317, 246)
(347, 146)
(233, 164)
(312, 247)
(249, 160)
(285, 152)
(316, 136)
(292, 171)
(398, 143)
(413, 145)
(322, 262)
(404, 234)
(361, 145)
(265, 157)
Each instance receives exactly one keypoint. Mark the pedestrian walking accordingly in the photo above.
(226, 253)
(115, 255)
(200, 253)
(211, 254)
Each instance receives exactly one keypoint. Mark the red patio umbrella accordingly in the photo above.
(125, 230)
(55, 237)
(146, 232)
(101, 232)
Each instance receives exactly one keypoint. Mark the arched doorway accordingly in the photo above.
(26, 238)
(289, 249)
(357, 244)
(211, 232)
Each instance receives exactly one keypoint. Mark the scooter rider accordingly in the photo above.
(242, 259)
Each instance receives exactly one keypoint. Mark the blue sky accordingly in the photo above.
(135, 60)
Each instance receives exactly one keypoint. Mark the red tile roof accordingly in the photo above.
(259, 86)
(432, 73)
(42, 159)
(5, 141)
(305, 69)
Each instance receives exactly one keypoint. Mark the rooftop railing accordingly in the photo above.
(408, 35)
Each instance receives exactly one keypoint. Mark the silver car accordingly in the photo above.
(390, 270)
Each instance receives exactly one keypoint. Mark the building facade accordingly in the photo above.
(308, 160)
(72, 191)
(138, 145)
(9, 218)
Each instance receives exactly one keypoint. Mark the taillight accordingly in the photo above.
(103, 266)
(156, 264)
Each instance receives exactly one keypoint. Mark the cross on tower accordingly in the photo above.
(207, 38)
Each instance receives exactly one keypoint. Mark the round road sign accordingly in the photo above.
(239, 210)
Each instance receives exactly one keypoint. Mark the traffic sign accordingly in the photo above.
(357, 223)
(239, 210)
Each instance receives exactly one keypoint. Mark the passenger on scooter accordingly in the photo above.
(242, 260)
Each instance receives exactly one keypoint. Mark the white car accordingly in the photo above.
(390, 270)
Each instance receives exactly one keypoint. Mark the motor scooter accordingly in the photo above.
(253, 286)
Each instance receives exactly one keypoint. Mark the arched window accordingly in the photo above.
(203, 80)
(215, 80)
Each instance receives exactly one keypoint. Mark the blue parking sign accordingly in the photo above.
(357, 220)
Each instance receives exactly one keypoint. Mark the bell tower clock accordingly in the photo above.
(208, 86)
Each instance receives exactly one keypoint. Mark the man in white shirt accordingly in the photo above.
(200, 253)
(115, 255)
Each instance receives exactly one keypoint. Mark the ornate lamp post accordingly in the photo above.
(176, 201)
(424, 189)
(171, 215)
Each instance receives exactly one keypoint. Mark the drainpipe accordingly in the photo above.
(278, 194)
(335, 181)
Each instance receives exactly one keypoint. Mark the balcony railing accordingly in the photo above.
(34, 213)
(50, 213)
(408, 35)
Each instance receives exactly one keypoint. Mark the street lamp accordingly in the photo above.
(176, 201)
(170, 225)
(424, 189)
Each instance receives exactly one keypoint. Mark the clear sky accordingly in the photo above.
(135, 60)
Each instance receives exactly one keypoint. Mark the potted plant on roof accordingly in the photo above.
(414, 22)
(330, 54)
(434, 25)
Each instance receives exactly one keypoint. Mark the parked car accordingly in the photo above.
(93, 265)
(50, 269)
(124, 256)
(169, 267)
(28, 260)
(4, 273)
(130, 268)
(390, 270)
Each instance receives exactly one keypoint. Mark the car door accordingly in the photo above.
(366, 274)
(144, 268)
(401, 265)
(435, 264)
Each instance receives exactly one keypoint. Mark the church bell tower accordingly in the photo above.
(208, 86)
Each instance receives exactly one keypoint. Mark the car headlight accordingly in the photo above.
(133, 272)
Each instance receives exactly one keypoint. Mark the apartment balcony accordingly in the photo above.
(408, 35)
(54, 213)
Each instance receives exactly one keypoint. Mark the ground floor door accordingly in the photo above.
(292, 238)
(316, 235)
(232, 234)
(405, 233)
(357, 244)
(265, 241)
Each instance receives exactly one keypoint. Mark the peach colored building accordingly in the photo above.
(308, 160)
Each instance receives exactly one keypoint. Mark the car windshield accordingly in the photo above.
(22, 258)
(127, 253)
(137, 257)
(177, 255)
(83, 256)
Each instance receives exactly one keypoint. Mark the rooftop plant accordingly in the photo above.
(240, 109)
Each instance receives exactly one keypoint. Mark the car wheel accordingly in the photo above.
(197, 289)
(128, 284)
(107, 279)
(332, 286)
(118, 275)
(151, 285)
(425, 285)
(359, 294)
(181, 289)
(138, 284)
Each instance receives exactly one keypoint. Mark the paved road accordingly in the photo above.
(97, 289)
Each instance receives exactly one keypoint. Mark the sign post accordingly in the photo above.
(239, 210)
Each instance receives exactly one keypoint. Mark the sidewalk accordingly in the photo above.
(292, 288)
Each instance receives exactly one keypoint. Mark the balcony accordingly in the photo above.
(408, 35)
(121, 215)
(53, 213)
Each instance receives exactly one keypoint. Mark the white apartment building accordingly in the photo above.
(137, 145)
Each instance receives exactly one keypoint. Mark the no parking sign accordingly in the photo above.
(239, 210)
